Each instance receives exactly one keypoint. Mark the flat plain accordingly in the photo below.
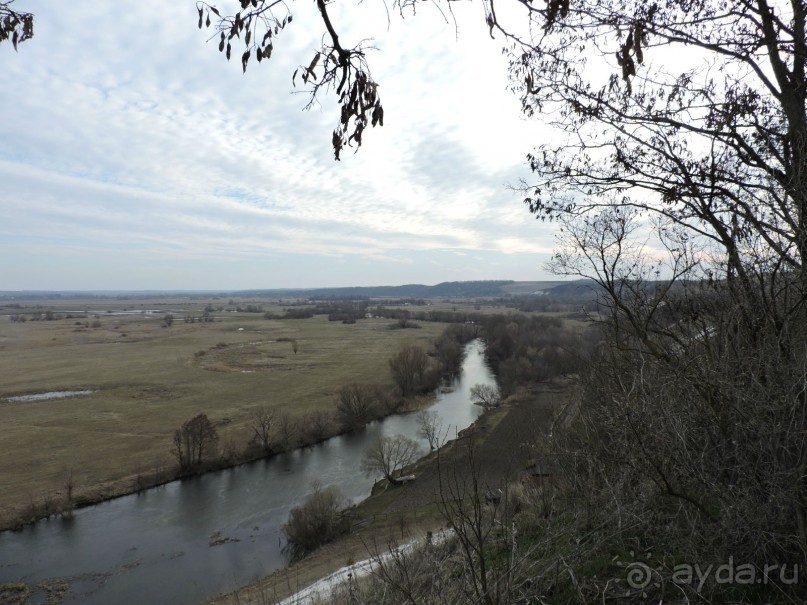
(147, 379)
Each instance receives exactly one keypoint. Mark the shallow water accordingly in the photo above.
(154, 547)
(50, 395)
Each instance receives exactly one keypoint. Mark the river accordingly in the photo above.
(154, 547)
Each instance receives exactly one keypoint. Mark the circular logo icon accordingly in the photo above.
(639, 575)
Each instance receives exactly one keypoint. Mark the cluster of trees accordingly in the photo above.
(413, 371)
(276, 431)
(415, 302)
(250, 308)
(551, 304)
(449, 347)
(430, 315)
(346, 311)
(523, 349)
(46, 316)
(357, 404)
(195, 443)
(205, 317)
(291, 313)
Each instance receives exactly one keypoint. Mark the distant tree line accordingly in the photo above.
(205, 317)
(346, 311)
(519, 348)
(249, 308)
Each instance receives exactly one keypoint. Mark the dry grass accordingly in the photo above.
(149, 379)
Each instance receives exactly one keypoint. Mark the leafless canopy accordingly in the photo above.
(195, 441)
(389, 456)
(486, 395)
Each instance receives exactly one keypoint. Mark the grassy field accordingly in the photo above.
(148, 379)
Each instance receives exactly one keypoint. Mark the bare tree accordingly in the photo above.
(262, 422)
(389, 456)
(195, 441)
(408, 367)
(288, 429)
(69, 486)
(430, 427)
(356, 404)
(486, 395)
(320, 425)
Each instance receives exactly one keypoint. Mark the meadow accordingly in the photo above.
(147, 379)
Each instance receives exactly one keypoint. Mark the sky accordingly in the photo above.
(134, 156)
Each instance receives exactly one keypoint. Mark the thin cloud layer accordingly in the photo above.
(132, 155)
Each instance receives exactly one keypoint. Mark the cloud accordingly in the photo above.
(125, 130)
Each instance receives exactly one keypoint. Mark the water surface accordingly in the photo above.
(154, 547)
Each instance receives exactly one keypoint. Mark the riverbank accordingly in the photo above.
(147, 380)
(400, 514)
(23, 516)
(190, 540)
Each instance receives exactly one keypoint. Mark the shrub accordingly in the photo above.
(320, 519)
(356, 405)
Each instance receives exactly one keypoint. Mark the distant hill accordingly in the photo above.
(529, 288)
(582, 290)
(456, 289)
(577, 290)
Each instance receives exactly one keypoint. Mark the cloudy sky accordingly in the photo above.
(134, 156)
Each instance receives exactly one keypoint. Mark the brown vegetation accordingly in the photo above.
(317, 521)
(147, 383)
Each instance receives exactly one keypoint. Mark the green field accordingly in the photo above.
(148, 379)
